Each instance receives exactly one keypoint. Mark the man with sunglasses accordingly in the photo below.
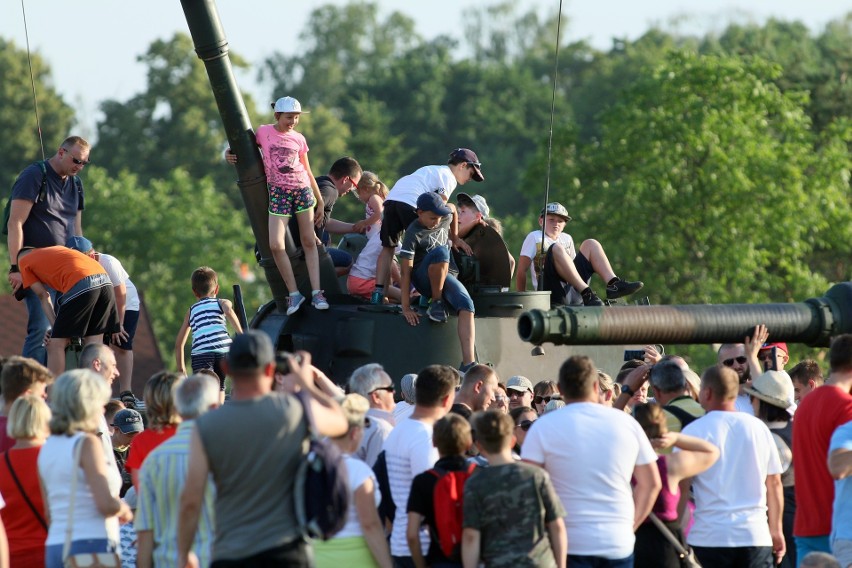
(373, 383)
(46, 207)
(520, 390)
(733, 356)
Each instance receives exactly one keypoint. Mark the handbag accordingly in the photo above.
(687, 555)
(83, 559)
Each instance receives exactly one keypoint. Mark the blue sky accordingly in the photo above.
(92, 45)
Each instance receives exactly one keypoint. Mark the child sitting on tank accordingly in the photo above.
(566, 272)
(425, 263)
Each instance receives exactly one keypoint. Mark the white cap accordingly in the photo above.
(288, 104)
(477, 201)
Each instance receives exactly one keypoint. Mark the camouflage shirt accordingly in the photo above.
(521, 494)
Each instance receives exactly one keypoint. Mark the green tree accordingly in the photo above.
(20, 140)
(161, 231)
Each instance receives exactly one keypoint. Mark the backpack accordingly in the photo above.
(448, 503)
(682, 415)
(321, 489)
(387, 508)
(42, 189)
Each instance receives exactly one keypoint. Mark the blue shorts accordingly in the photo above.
(131, 322)
(455, 294)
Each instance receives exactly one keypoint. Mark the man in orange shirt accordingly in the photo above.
(87, 306)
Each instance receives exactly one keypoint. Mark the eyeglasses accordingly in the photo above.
(524, 425)
(544, 399)
(516, 394)
(76, 161)
(389, 388)
(730, 362)
(353, 182)
(500, 398)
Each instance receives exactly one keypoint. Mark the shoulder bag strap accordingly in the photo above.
(78, 449)
(669, 535)
(24, 493)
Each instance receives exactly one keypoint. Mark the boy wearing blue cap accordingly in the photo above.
(425, 263)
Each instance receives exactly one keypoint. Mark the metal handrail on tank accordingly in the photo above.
(813, 322)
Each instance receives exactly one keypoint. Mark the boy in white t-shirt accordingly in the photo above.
(401, 205)
(565, 272)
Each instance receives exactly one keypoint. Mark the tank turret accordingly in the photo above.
(814, 322)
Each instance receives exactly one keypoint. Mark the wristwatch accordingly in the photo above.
(13, 268)
(627, 389)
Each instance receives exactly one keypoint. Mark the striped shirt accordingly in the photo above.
(209, 331)
(161, 482)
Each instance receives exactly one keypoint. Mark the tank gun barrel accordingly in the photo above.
(813, 322)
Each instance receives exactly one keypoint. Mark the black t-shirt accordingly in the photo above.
(420, 501)
(329, 195)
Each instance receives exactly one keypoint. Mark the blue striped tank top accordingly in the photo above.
(209, 331)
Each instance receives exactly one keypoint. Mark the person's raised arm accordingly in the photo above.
(634, 381)
(775, 511)
(524, 263)
(328, 417)
(840, 463)
(752, 348)
(180, 343)
(471, 544)
(645, 491)
(191, 500)
(696, 455)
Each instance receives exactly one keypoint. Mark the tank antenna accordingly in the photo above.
(32, 80)
(550, 136)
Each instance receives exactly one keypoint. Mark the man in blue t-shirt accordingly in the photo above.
(46, 208)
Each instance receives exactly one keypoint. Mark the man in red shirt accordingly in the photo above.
(818, 416)
(87, 306)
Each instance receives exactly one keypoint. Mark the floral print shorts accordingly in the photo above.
(286, 202)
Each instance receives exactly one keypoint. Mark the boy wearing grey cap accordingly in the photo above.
(564, 271)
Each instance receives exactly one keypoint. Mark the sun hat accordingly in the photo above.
(773, 387)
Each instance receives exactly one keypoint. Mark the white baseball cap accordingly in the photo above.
(288, 104)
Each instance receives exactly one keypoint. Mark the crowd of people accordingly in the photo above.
(451, 466)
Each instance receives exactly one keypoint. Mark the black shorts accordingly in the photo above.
(89, 313)
(396, 217)
(131, 321)
(210, 362)
(554, 284)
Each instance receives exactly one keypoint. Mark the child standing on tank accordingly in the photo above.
(400, 208)
(207, 320)
(292, 191)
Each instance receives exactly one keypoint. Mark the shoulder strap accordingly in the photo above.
(43, 187)
(69, 527)
(685, 417)
(23, 493)
(667, 533)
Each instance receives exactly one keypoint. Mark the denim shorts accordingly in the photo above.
(455, 294)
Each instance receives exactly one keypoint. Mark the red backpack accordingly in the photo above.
(448, 503)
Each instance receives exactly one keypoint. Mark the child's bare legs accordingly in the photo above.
(56, 355)
(309, 246)
(437, 276)
(383, 267)
(124, 363)
(277, 232)
(594, 251)
(565, 268)
(467, 336)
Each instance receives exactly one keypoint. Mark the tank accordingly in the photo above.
(813, 322)
(352, 333)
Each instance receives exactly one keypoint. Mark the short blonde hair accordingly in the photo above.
(355, 408)
(28, 418)
(77, 401)
(159, 396)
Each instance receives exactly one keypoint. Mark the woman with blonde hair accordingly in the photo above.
(73, 472)
(163, 420)
(23, 515)
(606, 389)
(652, 549)
(362, 541)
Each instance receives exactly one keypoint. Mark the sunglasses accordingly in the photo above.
(76, 161)
(544, 399)
(516, 394)
(524, 425)
(389, 388)
(730, 362)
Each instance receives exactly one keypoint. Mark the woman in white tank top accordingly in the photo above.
(77, 401)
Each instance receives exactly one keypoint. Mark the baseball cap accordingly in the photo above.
(129, 421)
(81, 244)
(250, 351)
(476, 201)
(779, 344)
(467, 156)
(433, 202)
(556, 209)
(774, 387)
(520, 383)
(288, 104)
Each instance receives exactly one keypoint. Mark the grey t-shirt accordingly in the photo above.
(51, 221)
(418, 241)
(254, 448)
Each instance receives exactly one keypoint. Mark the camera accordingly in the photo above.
(282, 362)
(631, 354)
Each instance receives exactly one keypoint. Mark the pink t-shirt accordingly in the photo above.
(281, 153)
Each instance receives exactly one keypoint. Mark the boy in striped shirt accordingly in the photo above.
(207, 320)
